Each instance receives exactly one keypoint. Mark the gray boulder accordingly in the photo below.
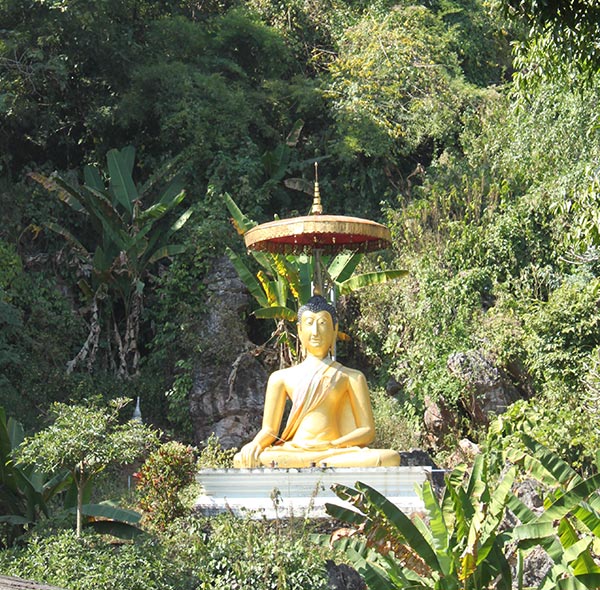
(229, 381)
(488, 390)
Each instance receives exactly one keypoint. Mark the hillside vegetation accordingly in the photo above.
(443, 120)
(471, 129)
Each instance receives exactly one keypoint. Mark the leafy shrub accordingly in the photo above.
(243, 552)
(223, 552)
(397, 425)
(214, 456)
(84, 440)
(561, 332)
(409, 328)
(165, 473)
(554, 419)
(89, 563)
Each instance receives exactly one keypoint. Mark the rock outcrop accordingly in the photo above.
(229, 381)
(487, 390)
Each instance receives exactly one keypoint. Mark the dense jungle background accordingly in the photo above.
(470, 128)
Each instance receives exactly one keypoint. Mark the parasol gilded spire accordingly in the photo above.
(328, 233)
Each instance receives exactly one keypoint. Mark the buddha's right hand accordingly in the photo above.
(250, 454)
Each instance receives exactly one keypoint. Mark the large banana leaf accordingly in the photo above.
(168, 172)
(51, 185)
(343, 265)
(95, 201)
(436, 522)
(403, 524)
(160, 239)
(588, 516)
(111, 511)
(93, 178)
(342, 513)
(170, 250)
(560, 470)
(181, 220)
(108, 518)
(565, 503)
(248, 278)
(453, 481)
(120, 168)
(242, 222)
(369, 279)
(67, 235)
(102, 215)
(161, 208)
(368, 563)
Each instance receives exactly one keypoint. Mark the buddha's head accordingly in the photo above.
(317, 326)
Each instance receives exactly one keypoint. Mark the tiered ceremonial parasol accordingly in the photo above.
(318, 234)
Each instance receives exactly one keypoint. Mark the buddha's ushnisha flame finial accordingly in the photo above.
(316, 208)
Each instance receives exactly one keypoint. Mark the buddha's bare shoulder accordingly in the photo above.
(352, 374)
(283, 375)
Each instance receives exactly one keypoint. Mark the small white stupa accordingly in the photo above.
(137, 413)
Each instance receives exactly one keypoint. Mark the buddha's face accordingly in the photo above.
(316, 332)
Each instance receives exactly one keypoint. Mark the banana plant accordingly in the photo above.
(24, 491)
(284, 281)
(568, 528)
(129, 230)
(460, 545)
(464, 543)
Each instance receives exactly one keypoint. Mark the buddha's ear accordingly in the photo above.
(334, 341)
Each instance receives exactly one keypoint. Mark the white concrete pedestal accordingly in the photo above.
(283, 493)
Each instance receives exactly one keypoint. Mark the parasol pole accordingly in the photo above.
(317, 209)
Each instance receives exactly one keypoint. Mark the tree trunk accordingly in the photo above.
(122, 370)
(127, 345)
(90, 346)
(132, 332)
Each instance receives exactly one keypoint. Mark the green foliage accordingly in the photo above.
(480, 38)
(461, 545)
(553, 419)
(89, 563)
(410, 327)
(164, 474)
(124, 241)
(214, 456)
(173, 308)
(397, 424)
(37, 333)
(84, 440)
(392, 86)
(568, 527)
(562, 332)
(465, 543)
(24, 491)
(225, 552)
(500, 243)
(232, 552)
(566, 28)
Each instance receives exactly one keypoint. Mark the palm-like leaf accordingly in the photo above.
(120, 168)
(369, 279)
(248, 278)
(127, 239)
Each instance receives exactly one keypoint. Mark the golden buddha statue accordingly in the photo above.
(331, 419)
